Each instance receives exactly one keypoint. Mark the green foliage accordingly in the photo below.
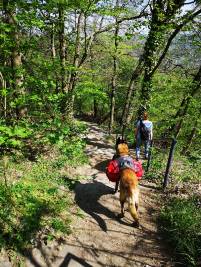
(60, 225)
(157, 165)
(186, 169)
(38, 202)
(68, 138)
(35, 198)
(73, 151)
(87, 92)
(13, 136)
(164, 87)
(26, 208)
(180, 223)
(34, 202)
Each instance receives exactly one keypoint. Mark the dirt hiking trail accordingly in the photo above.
(99, 238)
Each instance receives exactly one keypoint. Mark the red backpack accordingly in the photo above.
(138, 169)
(112, 170)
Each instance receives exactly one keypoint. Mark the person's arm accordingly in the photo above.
(136, 129)
(151, 135)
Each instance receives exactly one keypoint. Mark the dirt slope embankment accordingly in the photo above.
(99, 238)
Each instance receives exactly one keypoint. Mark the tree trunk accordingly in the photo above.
(190, 138)
(53, 52)
(152, 57)
(16, 59)
(128, 108)
(62, 48)
(106, 117)
(73, 73)
(95, 109)
(3, 86)
(183, 109)
(114, 76)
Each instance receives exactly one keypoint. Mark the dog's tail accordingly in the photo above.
(130, 183)
(132, 204)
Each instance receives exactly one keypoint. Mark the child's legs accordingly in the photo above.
(146, 148)
(138, 144)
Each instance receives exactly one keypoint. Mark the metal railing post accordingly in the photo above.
(149, 156)
(169, 163)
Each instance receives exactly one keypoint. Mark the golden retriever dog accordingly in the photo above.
(128, 187)
(116, 156)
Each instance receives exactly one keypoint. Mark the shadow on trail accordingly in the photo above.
(101, 166)
(96, 252)
(77, 261)
(87, 198)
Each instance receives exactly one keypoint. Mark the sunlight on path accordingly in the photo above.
(99, 239)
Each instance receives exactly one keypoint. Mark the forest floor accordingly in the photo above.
(98, 238)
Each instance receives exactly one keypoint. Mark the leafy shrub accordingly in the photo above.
(13, 136)
(182, 169)
(157, 165)
(60, 225)
(34, 203)
(186, 169)
(26, 208)
(180, 222)
(68, 137)
(73, 150)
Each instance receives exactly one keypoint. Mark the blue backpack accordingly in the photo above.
(144, 131)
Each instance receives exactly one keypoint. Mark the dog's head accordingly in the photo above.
(122, 149)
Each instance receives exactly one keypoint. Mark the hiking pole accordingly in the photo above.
(149, 156)
(169, 163)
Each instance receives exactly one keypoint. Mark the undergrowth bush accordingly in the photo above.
(182, 169)
(73, 151)
(34, 203)
(37, 197)
(157, 166)
(13, 135)
(180, 223)
(187, 169)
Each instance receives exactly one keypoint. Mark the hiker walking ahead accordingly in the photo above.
(143, 134)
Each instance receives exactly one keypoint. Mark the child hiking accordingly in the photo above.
(143, 135)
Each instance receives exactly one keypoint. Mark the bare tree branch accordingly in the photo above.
(111, 26)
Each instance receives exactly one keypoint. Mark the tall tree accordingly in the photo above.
(16, 57)
(190, 137)
(163, 20)
(62, 46)
(114, 75)
(183, 109)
